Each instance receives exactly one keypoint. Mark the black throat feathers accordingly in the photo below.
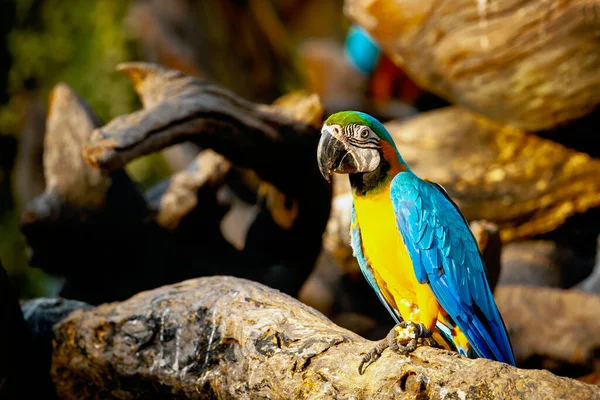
(365, 182)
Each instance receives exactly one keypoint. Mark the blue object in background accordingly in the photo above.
(361, 50)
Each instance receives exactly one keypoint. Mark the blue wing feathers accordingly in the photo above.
(445, 255)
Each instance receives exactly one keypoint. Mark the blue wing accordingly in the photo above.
(356, 243)
(445, 255)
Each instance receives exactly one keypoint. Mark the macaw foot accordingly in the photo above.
(402, 339)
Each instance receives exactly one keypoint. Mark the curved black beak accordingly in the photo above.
(333, 156)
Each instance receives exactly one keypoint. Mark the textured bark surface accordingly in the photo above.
(82, 209)
(41, 315)
(533, 64)
(271, 146)
(271, 149)
(222, 337)
(549, 326)
(69, 124)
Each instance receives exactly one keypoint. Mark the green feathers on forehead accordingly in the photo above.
(344, 118)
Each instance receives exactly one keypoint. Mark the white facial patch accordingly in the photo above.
(360, 142)
(364, 147)
(367, 159)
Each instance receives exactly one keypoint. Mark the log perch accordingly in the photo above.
(229, 338)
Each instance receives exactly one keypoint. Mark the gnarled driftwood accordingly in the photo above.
(99, 215)
(234, 339)
(276, 142)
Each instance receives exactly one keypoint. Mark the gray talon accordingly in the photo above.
(423, 336)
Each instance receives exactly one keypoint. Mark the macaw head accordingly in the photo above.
(353, 142)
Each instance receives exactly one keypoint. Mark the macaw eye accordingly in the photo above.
(364, 133)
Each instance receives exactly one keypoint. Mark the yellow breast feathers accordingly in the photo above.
(392, 266)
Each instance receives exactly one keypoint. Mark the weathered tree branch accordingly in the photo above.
(41, 315)
(182, 108)
(82, 207)
(90, 225)
(68, 127)
(178, 222)
(186, 189)
(528, 63)
(272, 148)
(230, 338)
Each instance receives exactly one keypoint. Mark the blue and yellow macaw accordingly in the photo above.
(414, 246)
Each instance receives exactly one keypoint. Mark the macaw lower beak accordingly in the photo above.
(333, 156)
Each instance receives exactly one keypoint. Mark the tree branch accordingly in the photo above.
(272, 148)
(222, 337)
(178, 222)
(180, 108)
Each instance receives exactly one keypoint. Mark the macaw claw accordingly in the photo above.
(402, 339)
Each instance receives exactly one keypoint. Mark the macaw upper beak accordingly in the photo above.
(333, 155)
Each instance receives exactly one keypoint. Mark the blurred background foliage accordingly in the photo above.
(247, 46)
(75, 41)
(47, 42)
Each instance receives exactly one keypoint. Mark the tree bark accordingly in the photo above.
(223, 337)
